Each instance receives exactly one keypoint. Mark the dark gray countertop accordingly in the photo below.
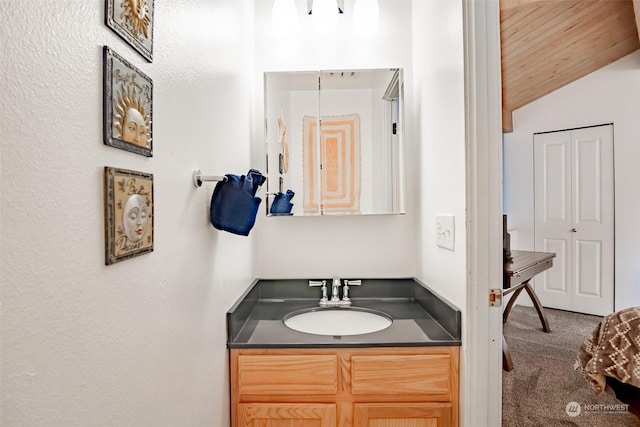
(420, 317)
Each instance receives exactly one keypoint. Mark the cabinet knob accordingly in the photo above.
(573, 230)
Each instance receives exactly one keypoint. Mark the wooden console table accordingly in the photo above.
(523, 267)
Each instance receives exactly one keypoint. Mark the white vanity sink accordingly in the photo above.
(337, 321)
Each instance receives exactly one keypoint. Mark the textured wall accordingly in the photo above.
(142, 342)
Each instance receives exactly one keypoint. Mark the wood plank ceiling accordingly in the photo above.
(547, 44)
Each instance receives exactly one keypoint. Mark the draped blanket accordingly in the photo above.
(613, 350)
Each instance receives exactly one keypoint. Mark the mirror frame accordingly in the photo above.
(322, 87)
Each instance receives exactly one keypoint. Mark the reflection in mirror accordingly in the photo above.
(334, 142)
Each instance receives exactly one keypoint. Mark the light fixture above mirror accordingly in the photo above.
(324, 14)
(339, 4)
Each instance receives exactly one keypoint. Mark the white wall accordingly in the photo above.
(354, 246)
(440, 116)
(440, 120)
(141, 342)
(610, 95)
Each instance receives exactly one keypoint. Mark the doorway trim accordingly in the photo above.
(481, 373)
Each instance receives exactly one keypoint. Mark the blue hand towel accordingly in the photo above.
(282, 203)
(234, 205)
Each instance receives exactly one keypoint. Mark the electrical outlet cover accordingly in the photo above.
(445, 231)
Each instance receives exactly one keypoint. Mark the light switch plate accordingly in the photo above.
(445, 231)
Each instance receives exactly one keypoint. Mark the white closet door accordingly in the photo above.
(593, 216)
(552, 186)
(575, 218)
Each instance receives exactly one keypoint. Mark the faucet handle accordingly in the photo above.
(322, 283)
(345, 288)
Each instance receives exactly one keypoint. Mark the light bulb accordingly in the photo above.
(366, 14)
(324, 14)
(284, 17)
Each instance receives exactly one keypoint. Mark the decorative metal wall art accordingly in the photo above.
(128, 204)
(128, 105)
(133, 21)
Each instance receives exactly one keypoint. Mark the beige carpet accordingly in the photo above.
(536, 393)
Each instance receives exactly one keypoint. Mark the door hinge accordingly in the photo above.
(495, 297)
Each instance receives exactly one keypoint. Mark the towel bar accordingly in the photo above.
(198, 178)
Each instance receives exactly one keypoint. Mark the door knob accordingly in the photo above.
(573, 230)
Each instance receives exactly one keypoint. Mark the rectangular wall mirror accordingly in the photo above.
(334, 142)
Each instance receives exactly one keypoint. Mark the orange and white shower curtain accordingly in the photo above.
(331, 167)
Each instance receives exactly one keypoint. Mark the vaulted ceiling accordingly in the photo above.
(547, 44)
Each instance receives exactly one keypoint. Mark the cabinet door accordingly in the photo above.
(404, 378)
(402, 415)
(286, 415)
(282, 374)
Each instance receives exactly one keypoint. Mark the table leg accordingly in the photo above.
(507, 363)
(539, 308)
(510, 304)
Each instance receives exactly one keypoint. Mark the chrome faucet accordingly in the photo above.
(335, 290)
(335, 300)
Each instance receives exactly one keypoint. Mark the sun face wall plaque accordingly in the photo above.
(128, 205)
(133, 21)
(128, 105)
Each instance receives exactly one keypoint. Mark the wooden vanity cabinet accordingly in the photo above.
(346, 387)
